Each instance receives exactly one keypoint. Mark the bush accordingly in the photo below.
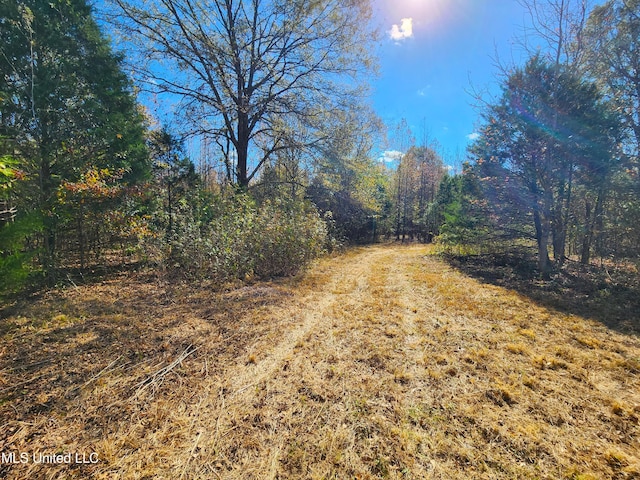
(289, 235)
(240, 239)
(16, 259)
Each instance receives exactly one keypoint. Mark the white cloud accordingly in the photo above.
(404, 30)
(423, 91)
(473, 136)
(390, 156)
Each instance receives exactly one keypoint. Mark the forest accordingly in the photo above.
(194, 212)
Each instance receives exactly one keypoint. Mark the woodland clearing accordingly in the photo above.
(383, 362)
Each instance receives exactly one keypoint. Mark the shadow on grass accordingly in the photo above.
(56, 344)
(608, 295)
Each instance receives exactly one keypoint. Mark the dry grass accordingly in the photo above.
(382, 363)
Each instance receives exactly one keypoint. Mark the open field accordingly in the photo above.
(381, 363)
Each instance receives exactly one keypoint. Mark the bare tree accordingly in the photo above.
(557, 29)
(248, 73)
(613, 40)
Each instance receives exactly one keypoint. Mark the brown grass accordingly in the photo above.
(381, 363)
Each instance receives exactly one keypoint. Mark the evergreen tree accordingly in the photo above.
(460, 210)
(549, 131)
(613, 61)
(66, 107)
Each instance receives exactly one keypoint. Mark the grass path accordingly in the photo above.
(381, 363)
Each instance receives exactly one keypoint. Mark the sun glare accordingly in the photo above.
(426, 13)
(421, 7)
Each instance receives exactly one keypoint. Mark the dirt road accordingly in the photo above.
(381, 363)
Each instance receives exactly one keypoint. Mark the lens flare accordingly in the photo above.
(427, 16)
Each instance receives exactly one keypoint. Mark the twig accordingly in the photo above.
(322, 409)
(221, 410)
(193, 449)
(160, 374)
(26, 366)
(608, 275)
(242, 389)
(95, 377)
(13, 387)
(71, 281)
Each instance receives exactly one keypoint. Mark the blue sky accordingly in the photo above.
(428, 64)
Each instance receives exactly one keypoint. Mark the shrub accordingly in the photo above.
(16, 258)
(239, 238)
(290, 234)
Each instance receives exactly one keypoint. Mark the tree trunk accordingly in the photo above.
(541, 222)
(81, 240)
(169, 207)
(585, 257)
(559, 235)
(46, 209)
(561, 218)
(598, 222)
(398, 203)
(542, 238)
(242, 150)
(593, 226)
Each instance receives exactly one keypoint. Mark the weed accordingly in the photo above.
(574, 474)
(616, 459)
(530, 382)
(402, 377)
(501, 395)
(527, 332)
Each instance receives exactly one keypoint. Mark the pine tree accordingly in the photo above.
(66, 107)
(550, 132)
